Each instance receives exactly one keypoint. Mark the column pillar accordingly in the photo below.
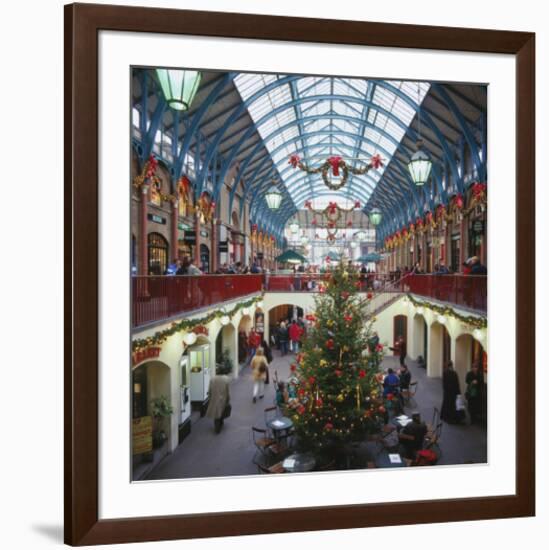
(197, 239)
(461, 243)
(174, 232)
(143, 260)
(214, 241)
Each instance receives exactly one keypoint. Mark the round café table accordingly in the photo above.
(280, 426)
(299, 462)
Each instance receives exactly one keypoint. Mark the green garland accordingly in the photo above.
(158, 338)
(476, 322)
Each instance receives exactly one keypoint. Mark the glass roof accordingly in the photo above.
(317, 117)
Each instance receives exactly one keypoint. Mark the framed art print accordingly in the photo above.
(289, 301)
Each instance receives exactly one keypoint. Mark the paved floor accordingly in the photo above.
(205, 454)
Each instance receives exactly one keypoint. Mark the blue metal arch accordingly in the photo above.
(351, 99)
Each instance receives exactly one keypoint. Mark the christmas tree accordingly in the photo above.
(339, 401)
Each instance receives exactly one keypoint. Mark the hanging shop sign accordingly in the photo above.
(156, 219)
(223, 246)
(144, 354)
(142, 435)
(190, 237)
(183, 226)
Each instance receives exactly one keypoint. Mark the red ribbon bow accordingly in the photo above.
(334, 163)
(294, 160)
(376, 162)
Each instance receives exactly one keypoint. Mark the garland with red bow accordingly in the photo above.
(332, 211)
(335, 164)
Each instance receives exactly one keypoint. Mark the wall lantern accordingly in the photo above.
(179, 87)
(245, 311)
(225, 320)
(189, 338)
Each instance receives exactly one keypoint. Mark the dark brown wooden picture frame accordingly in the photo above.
(82, 25)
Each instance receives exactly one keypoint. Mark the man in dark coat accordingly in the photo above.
(450, 390)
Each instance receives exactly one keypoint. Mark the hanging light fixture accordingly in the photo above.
(304, 240)
(225, 320)
(179, 87)
(294, 227)
(420, 164)
(353, 244)
(375, 216)
(273, 197)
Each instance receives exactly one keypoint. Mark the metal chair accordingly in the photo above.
(409, 394)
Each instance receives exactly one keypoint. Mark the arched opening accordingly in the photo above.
(151, 387)
(439, 349)
(400, 330)
(464, 357)
(244, 328)
(204, 258)
(420, 337)
(226, 347)
(157, 249)
(200, 368)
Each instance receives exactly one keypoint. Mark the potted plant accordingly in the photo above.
(161, 409)
(226, 362)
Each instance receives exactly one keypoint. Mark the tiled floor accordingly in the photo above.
(205, 454)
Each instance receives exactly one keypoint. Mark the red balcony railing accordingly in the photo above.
(308, 282)
(462, 290)
(158, 298)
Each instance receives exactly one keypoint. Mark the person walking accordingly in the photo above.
(294, 332)
(269, 356)
(283, 338)
(401, 348)
(450, 390)
(474, 393)
(259, 374)
(220, 398)
(254, 340)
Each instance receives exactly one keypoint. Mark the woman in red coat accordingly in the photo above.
(294, 332)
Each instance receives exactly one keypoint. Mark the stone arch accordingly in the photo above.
(226, 339)
(439, 343)
(463, 356)
(150, 380)
(419, 337)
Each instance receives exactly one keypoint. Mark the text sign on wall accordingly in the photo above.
(142, 435)
(147, 353)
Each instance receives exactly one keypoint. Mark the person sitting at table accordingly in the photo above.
(405, 377)
(391, 383)
(412, 436)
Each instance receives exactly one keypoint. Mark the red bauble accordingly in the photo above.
(330, 343)
(345, 294)
(293, 368)
(361, 373)
(369, 295)
(300, 409)
(328, 426)
(338, 373)
(312, 380)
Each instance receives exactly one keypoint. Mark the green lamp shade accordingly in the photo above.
(179, 87)
(273, 198)
(375, 216)
(419, 167)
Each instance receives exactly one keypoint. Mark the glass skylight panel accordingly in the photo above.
(248, 84)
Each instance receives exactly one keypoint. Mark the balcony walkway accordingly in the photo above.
(156, 299)
(205, 454)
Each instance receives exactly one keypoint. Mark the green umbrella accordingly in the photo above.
(291, 257)
(372, 257)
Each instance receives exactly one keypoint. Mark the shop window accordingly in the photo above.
(454, 254)
(204, 258)
(157, 247)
